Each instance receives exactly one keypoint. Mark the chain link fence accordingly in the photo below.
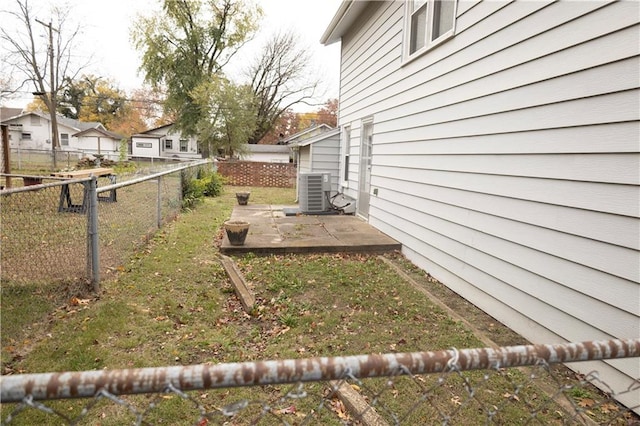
(508, 385)
(46, 226)
(42, 159)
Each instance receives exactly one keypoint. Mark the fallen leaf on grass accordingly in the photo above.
(511, 396)
(289, 410)
(609, 407)
(586, 402)
(284, 330)
(340, 410)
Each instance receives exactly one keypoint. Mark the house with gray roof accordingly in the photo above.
(31, 130)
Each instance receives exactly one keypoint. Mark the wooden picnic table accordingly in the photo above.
(66, 205)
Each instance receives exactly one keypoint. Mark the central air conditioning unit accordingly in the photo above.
(314, 191)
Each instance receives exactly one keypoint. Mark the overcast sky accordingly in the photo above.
(106, 25)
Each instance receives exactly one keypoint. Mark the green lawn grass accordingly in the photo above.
(172, 304)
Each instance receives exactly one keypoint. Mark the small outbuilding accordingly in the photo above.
(320, 153)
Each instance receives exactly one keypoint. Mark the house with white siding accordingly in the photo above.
(164, 142)
(99, 141)
(498, 141)
(31, 130)
(266, 153)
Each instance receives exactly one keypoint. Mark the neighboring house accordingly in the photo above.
(164, 142)
(32, 130)
(499, 143)
(309, 132)
(267, 153)
(320, 153)
(99, 141)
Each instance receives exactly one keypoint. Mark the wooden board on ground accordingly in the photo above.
(242, 291)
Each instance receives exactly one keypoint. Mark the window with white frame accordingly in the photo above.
(64, 139)
(184, 145)
(428, 23)
(26, 136)
(168, 144)
(347, 149)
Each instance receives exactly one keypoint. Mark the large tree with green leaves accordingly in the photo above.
(92, 98)
(186, 45)
(228, 118)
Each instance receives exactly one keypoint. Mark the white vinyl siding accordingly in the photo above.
(326, 158)
(305, 160)
(323, 155)
(507, 160)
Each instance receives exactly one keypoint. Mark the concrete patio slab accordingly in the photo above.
(272, 231)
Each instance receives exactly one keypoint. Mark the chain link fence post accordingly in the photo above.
(93, 255)
(159, 203)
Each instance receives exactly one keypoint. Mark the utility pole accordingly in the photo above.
(55, 138)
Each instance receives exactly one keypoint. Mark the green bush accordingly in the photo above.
(213, 185)
(192, 191)
(206, 183)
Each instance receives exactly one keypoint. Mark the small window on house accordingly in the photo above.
(64, 139)
(168, 144)
(26, 136)
(35, 120)
(347, 149)
(144, 145)
(418, 18)
(184, 145)
(429, 22)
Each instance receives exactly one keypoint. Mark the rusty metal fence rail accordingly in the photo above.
(444, 387)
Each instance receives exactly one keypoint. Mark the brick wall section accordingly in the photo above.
(253, 173)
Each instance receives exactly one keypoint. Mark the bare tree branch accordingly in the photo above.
(280, 78)
(45, 64)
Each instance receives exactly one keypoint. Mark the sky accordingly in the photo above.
(106, 25)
